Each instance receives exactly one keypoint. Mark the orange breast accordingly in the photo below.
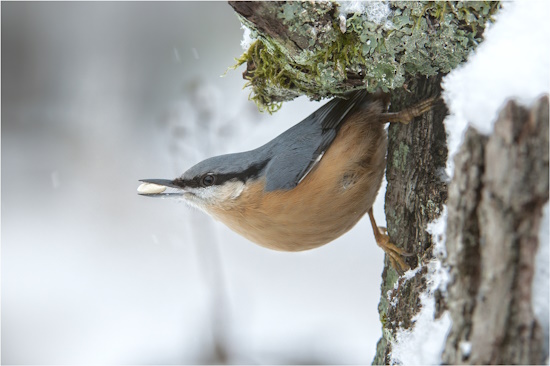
(328, 202)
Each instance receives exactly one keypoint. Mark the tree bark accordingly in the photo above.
(415, 195)
(495, 206)
(499, 187)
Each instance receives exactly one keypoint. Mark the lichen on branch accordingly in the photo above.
(321, 49)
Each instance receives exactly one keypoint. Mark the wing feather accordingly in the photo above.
(300, 149)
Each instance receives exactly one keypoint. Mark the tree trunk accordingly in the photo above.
(495, 206)
(499, 187)
(415, 195)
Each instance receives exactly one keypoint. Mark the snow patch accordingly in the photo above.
(465, 348)
(404, 278)
(351, 7)
(247, 37)
(375, 11)
(512, 62)
(409, 274)
(424, 343)
(438, 274)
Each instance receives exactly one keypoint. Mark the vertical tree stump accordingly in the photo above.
(495, 206)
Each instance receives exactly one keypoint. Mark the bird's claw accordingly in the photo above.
(407, 115)
(394, 253)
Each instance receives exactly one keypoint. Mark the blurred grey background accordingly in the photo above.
(96, 95)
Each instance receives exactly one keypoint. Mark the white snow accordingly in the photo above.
(465, 348)
(247, 39)
(408, 275)
(424, 343)
(404, 278)
(351, 7)
(438, 274)
(375, 11)
(437, 229)
(512, 62)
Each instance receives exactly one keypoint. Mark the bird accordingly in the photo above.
(307, 186)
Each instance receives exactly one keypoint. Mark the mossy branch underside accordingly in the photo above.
(319, 50)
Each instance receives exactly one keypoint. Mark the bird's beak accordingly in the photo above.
(157, 188)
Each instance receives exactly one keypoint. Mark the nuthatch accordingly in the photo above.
(307, 186)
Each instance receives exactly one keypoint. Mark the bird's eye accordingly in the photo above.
(207, 180)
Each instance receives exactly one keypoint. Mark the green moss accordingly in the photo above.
(418, 38)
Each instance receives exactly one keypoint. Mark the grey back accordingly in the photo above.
(285, 160)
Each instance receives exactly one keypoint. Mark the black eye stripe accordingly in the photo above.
(252, 172)
(218, 179)
(190, 183)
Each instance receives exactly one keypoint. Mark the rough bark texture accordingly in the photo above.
(495, 205)
(415, 195)
(264, 15)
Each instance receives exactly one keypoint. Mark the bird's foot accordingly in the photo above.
(407, 115)
(394, 253)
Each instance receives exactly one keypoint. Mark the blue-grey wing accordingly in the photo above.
(299, 150)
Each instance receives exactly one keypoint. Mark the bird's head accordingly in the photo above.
(213, 182)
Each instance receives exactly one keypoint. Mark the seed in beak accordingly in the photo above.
(150, 188)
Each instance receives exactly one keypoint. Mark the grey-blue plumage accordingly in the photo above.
(286, 159)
